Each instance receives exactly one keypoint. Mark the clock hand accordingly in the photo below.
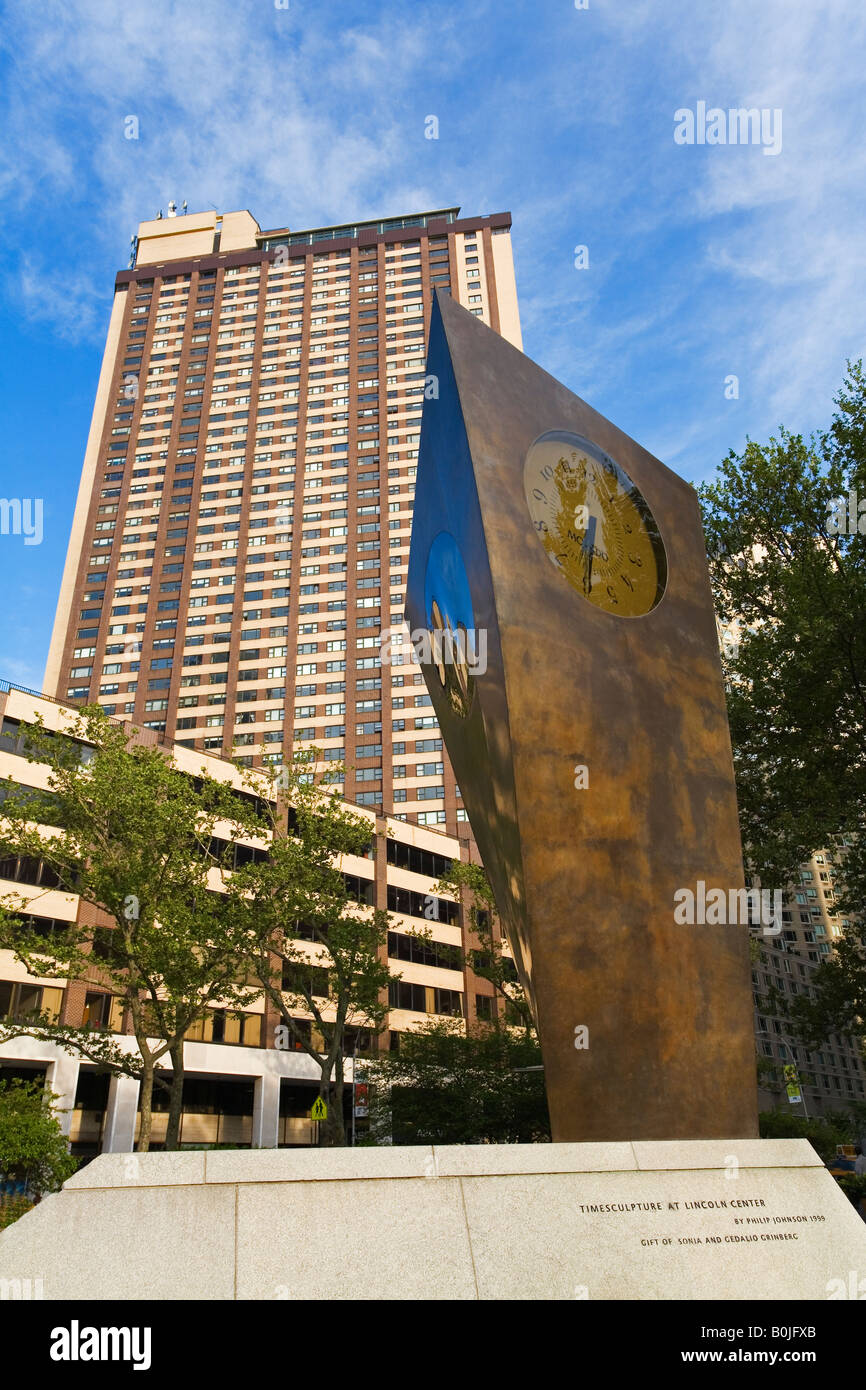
(588, 548)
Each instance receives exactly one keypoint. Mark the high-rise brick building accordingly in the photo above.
(242, 528)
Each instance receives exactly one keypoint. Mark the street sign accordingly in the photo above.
(792, 1086)
(320, 1109)
(362, 1100)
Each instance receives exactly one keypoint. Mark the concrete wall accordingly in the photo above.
(564, 1221)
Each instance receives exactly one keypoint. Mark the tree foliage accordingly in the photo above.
(795, 591)
(33, 1149)
(838, 1001)
(447, 1086)
(824, 1132)
(785, 524)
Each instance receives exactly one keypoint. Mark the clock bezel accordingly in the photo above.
(647, 517)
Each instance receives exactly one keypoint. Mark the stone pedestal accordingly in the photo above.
(739, 1219)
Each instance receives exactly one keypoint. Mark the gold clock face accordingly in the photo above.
(594, 524)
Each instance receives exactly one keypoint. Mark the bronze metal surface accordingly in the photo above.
(585, 877)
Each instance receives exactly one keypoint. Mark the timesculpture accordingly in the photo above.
(591, 744)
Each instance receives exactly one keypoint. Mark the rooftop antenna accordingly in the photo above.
(172, 209)
(183, 208)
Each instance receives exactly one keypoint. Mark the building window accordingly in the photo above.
(17, 1001)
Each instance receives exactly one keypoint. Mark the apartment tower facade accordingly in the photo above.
(242, 528)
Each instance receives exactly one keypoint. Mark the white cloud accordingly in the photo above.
(279, 116)
(74, 307)
(703, 260)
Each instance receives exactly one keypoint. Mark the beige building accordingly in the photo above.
(241, 1087)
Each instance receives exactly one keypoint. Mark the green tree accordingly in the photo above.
(788, 569)
(823, 1132)
(33, 1149)
(150, 847)
(837, 1003)
(488, 960)
(310, 944)
(447, 1086)
(794, 588)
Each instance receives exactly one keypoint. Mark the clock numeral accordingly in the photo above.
(540, 496)
(627, 582)
(611, 593)
(574, 465)
(635, 559)
(541, 526)
(627, 528)
(547, 471)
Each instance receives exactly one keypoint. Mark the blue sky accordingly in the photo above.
(704, 260)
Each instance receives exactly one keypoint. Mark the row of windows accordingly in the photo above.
(25, 869)
(425, 998)
(419, 861)
(14, 739)
(855, 1061)
(47, 802)
(413, 341)
(817, 1080)
(409, 903)
(22, 1000)
(423, 952)
(227, 1026)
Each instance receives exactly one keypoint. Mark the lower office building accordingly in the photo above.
(241, 1088)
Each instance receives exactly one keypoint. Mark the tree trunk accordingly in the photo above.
(146, 1103)
(175, 1107)
(335, 1130)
